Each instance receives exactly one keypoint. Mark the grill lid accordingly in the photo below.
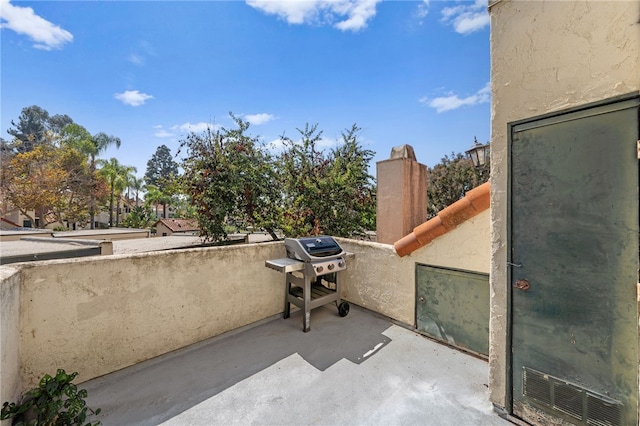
(312, 248)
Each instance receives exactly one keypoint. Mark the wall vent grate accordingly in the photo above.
(536, 386)
(568, 399)
(579, 403)
(603, 413)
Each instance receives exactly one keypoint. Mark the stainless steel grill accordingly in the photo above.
(312, 275)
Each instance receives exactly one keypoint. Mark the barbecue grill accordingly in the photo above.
(312, 271)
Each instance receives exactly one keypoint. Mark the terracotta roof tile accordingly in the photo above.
(474, 202)
(9, 222)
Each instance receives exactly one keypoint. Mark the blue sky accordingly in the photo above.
(407, 72)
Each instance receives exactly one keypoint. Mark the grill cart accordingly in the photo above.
(312, 275)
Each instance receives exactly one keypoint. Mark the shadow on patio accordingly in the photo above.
(361, 369)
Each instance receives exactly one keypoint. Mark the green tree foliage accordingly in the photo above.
(50, 181)
(162, 171)
(116, 177)
(91, 146)
(154, 197)
(449, 180)
(127, 176)
(136, 185)
(140, 217)
(234, 180)
(61, 149)
(173, 194)
(80, 187)
(35, 182)
(160, 166)
(58, 122)
(231, 181)
(326, 193)
(30, 129)
(35, 127)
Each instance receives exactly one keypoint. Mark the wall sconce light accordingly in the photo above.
(478, 153)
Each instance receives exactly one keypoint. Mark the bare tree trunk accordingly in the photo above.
(92, 202)
(111, 210)
(118, 211)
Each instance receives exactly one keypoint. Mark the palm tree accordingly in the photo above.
(137, 184)
(100, 142)
(153, 197)
(91, 146)
(114, 173)
(126, 177)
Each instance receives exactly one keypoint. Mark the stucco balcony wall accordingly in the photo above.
(100, 314)
(97, 315)
(10, 379)
(379, 280)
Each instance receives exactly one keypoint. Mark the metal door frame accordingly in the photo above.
(510, 129)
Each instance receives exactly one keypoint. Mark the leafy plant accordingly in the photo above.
(55, 402)
(140, 217)
(327, 193)
(231, 180)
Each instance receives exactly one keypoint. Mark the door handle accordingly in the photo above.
(522, 284)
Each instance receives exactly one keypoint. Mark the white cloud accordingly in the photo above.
(132, 97)
(352, 15)
(328, 143)
(423, 10)
(194, 127)
(136, 59)
(139, 54)
(162, 133)
(257, 119)
(467, 18)
(453, 101)
(276, 145)
(23, 20)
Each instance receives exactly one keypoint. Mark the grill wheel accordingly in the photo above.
(343, 309)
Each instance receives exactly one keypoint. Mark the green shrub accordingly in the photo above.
(55, 402)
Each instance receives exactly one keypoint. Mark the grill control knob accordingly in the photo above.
(331, 266)
(319, 269)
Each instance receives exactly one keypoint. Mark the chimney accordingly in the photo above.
(402, 195)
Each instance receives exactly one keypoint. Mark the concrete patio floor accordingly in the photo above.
(357, 370)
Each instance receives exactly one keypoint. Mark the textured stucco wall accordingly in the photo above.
(547, 56)
(9, 333)
(378, 279)
(100, 314)
(97, 315)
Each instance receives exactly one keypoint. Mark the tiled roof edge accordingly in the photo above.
(474, 202)
(9, 222)
(179, 225)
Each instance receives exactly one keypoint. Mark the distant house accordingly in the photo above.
(166, 227)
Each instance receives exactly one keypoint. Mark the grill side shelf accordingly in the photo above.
(285, 265)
